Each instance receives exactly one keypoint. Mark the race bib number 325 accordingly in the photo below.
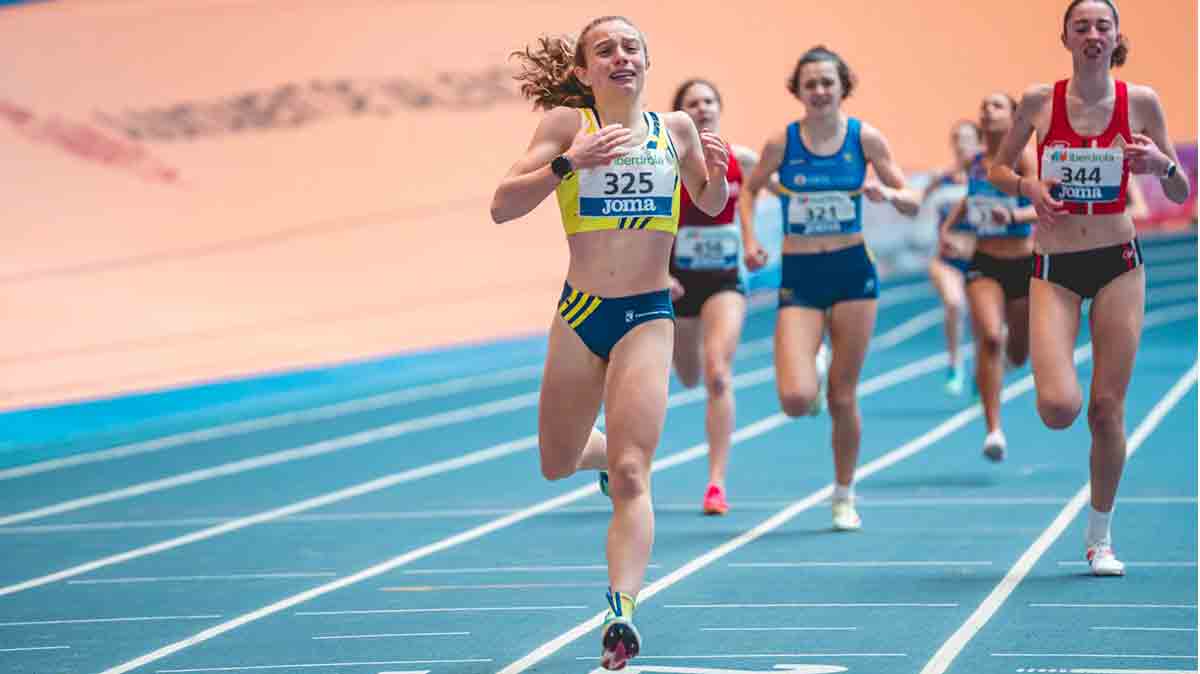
(637, 185)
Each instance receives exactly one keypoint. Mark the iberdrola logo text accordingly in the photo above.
(639, 160)
(1086, 155)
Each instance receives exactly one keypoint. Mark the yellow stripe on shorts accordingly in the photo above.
(591, 307)
(567, 302)
(578, 305)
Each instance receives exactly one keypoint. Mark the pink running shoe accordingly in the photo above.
(714, 501)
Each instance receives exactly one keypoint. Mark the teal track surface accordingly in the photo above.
(391, 517)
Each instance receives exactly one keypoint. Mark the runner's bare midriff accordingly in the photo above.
(1083, 232)
(614, 263)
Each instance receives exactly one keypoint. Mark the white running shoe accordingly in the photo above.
(1103, 562)
(822, 364)
(845, 517)
(994, 446)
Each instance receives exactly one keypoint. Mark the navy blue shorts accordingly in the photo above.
(601, 322)
(961, 264)
(821, 280)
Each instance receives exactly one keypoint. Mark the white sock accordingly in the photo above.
(841, 493)
(1099, 527)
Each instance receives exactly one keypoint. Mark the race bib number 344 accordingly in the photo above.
(1085, 175)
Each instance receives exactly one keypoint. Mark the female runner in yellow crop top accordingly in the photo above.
(616, 172)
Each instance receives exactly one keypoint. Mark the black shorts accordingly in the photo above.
(698, 286)
(1087, 271)
(1012, 273)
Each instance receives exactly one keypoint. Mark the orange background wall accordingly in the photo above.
(361, 235)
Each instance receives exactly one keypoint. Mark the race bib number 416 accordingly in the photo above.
(707, 248)
(1085, 175)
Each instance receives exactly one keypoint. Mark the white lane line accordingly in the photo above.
(864, 501)
(280, 420)
(1170, 292)
(778, 629)
(171, 579)
(892, 457)
(901, 294)
(33, 648)
(815, 605)
(1153, 564)
(1114, 656)
(1117, 671)
(913, 326)
(549, 568)
(388, 432)
(738, 656)
(494, 586)
(1170, 272)
(398, 634)
(849, 564)
(949, 650)
(1156, 259)
(329, 498)
(451, 609)
(911, 371)
(89, 621)
(324, 664)
(1089, 606)
(1147, 629)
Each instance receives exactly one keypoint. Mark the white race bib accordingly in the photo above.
(640, 184)
(708, 248)
(979, 214)
(1086, 175)
(820, 212)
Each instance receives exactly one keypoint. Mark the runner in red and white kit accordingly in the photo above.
(1093, 131)
(708, 293)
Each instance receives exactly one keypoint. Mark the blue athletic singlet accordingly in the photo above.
(982, 197)
(823, 193)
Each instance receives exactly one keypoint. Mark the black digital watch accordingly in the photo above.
(561, 166)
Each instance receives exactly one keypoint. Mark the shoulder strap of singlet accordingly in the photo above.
(794, 146)
(1121, 110)
(1058, 107)
(854, 136)
(591, 119)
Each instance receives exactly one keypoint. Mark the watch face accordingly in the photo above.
(561, 166)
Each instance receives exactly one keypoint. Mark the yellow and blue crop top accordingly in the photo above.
(637, 191)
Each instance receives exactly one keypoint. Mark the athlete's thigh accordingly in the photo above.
(850, 328)
(723, 315)
(572, 387)
(798, 333)
(1116, 317)
(635, 400)
(986, 300)
(1053, 329)
(688, 353)
(947, 280)
(1016, 315)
